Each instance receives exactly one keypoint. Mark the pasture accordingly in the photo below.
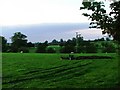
(34, 70)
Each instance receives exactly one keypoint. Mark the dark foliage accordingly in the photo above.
(50, 50)
(18, 41)
(91, 48)
(109, 48)
(3, 44)
(109, 23)
(41, 47)
(62, 43)
(87, 47)
(67, 49)
(30, 44)
(54, 42)
(23, 49)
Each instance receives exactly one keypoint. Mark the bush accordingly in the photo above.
(41, 48)
(67, 49)
(14, 49)
(81, 49)
(91, 48)
(23, 49)
(87, 48)
(109, 49)
(50, 50)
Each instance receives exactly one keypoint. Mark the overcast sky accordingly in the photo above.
(43, 32)
(21, 12)
(44, 17)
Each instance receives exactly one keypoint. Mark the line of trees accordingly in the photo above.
(79, 45)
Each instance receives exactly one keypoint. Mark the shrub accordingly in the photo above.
(109, 49)
(67, 49)
(91, 48)
(81, 49)
(41, 48)
(14, 49)
(87, 48)
(50, 50)
(23, 49)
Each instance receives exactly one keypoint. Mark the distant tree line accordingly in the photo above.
(79, 45)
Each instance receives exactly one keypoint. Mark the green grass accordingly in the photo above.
(31, 70)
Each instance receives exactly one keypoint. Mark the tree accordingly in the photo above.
(109, 23)
(62, 43)
(87, 47)
(80, 40)
(41, 47)
(73, 41)
(91, 48)
(30, 44)
(69, 42)
(46, 43)
(18, 40)
(108, 47)
(54, 42)
(67, 49)
(23, 49)
(3, 44)
(50, 50)
(70, 45)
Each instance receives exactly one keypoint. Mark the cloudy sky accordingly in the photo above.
(44, 20)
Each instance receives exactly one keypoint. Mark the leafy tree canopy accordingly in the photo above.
(109, 23)
(18, 40)
(3, 44)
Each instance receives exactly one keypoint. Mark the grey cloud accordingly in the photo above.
(48, 31)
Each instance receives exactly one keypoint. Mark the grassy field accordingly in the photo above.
(31, 70)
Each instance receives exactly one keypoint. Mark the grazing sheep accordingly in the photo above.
(21, 51)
